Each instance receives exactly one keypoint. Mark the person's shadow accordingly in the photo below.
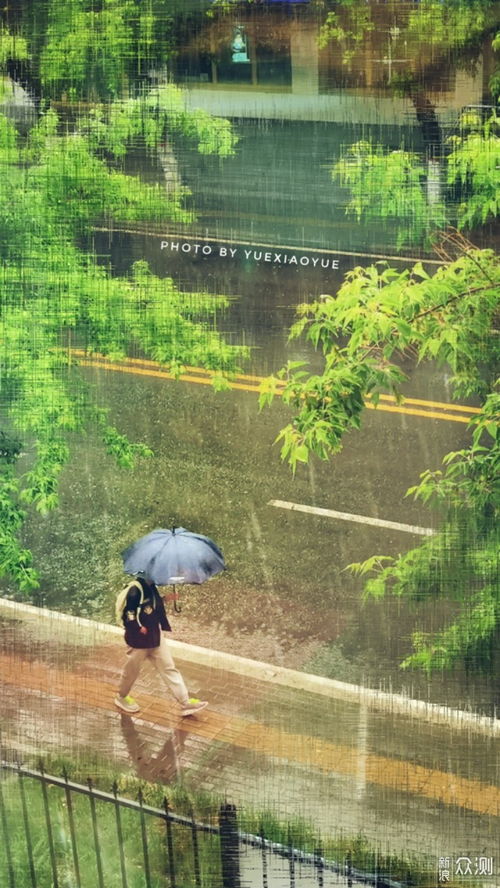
(162, 767)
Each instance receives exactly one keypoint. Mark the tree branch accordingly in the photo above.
(480, 289)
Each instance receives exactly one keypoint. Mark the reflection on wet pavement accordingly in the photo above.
(156, 766)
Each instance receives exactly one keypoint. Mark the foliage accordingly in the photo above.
(152, 117)
(451, 317)
(348, 25)
(474, 166)
(382, 312)
(12, 46)
(443, 27)
(389, 184)
(472, 476)
(448, 25)
(82, 42)
(495, 77)
(80, 188)
(392, 185)
(222, 6)
(91, 50)
(54, 187)
(461, 561)
(14, 558)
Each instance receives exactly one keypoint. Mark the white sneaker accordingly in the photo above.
(128, 704)
(193, 705)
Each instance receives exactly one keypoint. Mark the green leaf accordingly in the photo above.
(301, 453)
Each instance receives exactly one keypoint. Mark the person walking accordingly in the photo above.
(140, 609)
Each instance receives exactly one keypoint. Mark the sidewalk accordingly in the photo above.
(270, 739)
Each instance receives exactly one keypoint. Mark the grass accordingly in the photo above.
(97, 850)
(356, 849)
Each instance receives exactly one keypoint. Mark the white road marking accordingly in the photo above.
(359, 519)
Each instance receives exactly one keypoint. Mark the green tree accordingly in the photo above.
(392, 185)
(54, 186)
(387, 184)
(88, 47)
(451, 317)
(445, 26)
(495, 77)
(12, 47)
(473, 166)
(382, 312)
(80, 50)
(348, 25)
(431, 38)
(461, 561)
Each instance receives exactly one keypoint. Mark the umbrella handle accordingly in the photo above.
(177, 608)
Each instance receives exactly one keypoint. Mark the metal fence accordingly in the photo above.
(60, 834)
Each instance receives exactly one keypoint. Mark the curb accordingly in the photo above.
(398, 704)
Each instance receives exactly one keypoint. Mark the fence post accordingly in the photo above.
(119, 835)
(147, 874)
(27, 831)
(319, 864)
(97, 844)
(5, 828)
(48, 823)
(170, 843)
(264, 858)
(291, 861)
(71, 821)
(348, 868)
(229, 846)
(196, 852)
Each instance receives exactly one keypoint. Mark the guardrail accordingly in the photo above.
(49, 840)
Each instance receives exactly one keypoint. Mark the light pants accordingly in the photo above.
(161, 659)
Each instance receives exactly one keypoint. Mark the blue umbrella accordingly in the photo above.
(171, 557)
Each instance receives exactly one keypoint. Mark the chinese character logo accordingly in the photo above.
(464, 866)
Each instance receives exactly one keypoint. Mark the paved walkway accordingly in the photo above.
(409, 781)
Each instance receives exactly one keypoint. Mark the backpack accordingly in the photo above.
(121, 599)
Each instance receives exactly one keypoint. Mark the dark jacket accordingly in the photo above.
(144, 610)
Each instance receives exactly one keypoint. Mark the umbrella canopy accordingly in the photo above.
(170, 557)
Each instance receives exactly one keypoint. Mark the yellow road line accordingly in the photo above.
(145, 362)
(162, 374)
(143, 367)
(463, 408)
(316, 753)
(430, 414)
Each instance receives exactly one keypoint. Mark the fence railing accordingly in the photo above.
(60, 834)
